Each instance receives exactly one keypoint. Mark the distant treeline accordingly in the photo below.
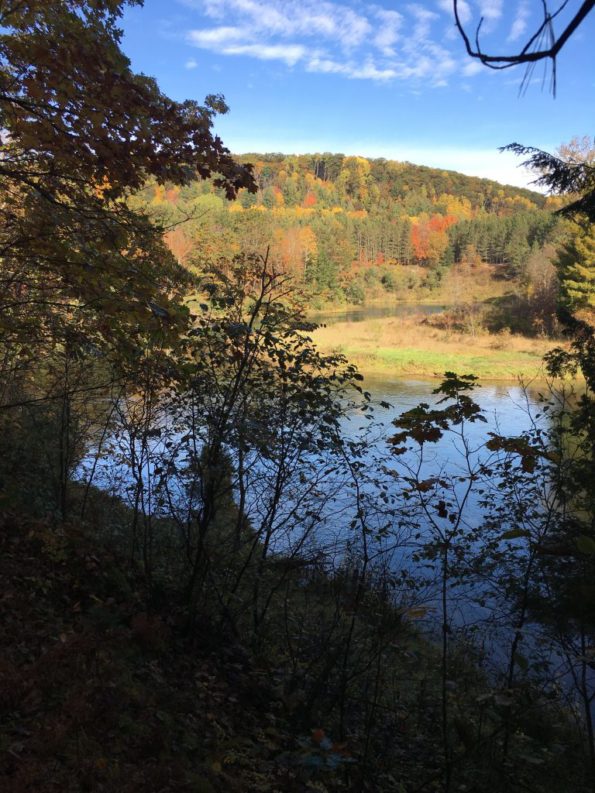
(337, 222)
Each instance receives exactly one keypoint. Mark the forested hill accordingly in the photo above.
(366, 183)
(346, 227)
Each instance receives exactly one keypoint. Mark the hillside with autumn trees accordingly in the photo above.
(225, 565)
(348, 227)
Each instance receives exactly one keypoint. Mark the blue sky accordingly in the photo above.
(376, 79)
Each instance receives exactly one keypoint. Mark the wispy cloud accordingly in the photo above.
(286, 18)
(360, 42)
(464, 9)
(213, 38)
(519, 25)
(490, 10)
(290, 54)
(388, 33)
(473, 67)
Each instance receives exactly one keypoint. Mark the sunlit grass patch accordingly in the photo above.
(406, 345)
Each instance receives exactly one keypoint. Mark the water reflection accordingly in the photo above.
(508, 409)
(360, 313)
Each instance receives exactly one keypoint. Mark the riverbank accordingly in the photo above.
(409, 345)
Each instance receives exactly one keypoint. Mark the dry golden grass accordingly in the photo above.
(406, 345)
(465, 284)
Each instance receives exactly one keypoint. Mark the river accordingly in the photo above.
(508, 410)
(508, 407)
(376, 311)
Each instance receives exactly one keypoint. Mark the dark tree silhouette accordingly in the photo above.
(563, 177)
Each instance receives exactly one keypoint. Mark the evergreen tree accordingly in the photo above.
(576, 264)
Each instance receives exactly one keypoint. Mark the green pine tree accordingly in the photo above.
(576, 265)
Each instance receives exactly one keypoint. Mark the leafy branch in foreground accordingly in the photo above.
(80, 269)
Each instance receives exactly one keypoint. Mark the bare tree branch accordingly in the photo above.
(542, 45)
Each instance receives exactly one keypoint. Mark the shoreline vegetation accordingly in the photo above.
(470, 336)
(412, 345)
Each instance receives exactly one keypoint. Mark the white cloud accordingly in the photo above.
(424, 18)
(490, 10)
(391, 23)
(191, 64)
(366, 71)
(326, 66)
(472, 67)
(212, 8)
(268, 52)
(369, 71)
(214, 38)
(519, 26)
(363, 42)
(463, 7)
(286, 18)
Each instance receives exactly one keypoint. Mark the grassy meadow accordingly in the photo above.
(427, 346)
(408, 346)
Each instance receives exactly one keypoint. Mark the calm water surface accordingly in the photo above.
(509, 410)
(380, 311)
(507, 406)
